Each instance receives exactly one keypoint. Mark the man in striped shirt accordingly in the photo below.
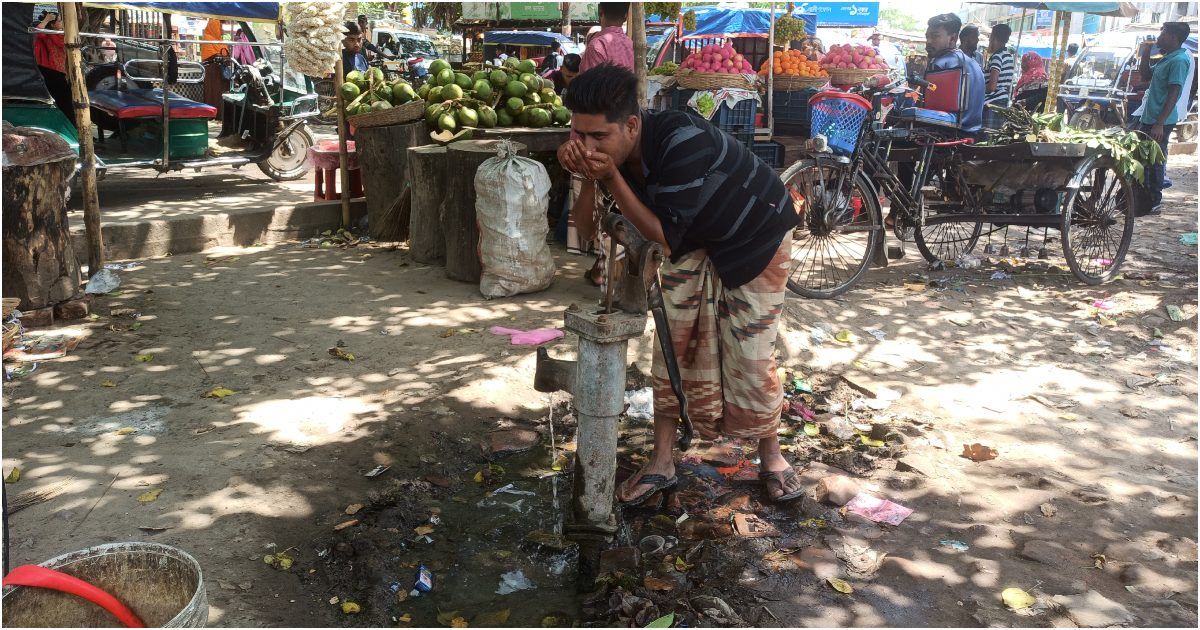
(1000, 72)
(725, 219)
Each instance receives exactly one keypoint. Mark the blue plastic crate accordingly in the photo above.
(770, 152)
(791, 108)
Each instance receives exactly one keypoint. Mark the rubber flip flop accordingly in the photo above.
(781, 477)
(658, 483)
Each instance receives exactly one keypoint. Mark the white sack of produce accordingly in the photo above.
(511, 197)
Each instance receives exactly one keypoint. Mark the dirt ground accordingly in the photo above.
(1089, 504)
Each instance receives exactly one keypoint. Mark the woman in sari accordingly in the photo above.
(1030, 90)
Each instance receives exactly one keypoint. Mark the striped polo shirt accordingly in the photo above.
(1002, 61)
(711, 193)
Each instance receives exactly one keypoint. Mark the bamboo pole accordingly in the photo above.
(771, 74)
(637, 32)
(343, 160)
(87, 152)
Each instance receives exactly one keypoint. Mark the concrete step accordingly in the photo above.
(171, 235)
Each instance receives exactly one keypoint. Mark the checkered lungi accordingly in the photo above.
(724, 342)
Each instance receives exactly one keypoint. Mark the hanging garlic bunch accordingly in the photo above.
(314, 36)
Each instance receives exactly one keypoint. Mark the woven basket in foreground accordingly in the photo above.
(795, 84)
(850, 76)
(10, 335)
(713, 80)
(408, 112)
(10, 305)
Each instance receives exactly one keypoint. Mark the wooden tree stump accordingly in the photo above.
(40, 266)
(458, 209)
(427, 180)
(383, 157)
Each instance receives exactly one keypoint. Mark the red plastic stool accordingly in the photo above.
(324, 158)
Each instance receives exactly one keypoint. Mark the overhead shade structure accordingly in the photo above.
(524, 38)
(721, 22)
(233, 11)
(842, 14)
(1107, 9)
(22, 79)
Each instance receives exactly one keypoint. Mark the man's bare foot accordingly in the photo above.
(630, 490)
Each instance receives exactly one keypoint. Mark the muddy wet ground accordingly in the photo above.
(1089, 505)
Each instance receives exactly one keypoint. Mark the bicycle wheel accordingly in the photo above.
(841, 224)
(1097, 222)
(948, 241)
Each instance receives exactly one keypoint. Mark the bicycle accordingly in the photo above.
(837, 192)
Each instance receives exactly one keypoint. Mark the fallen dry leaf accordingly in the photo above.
(458, 622)
(979, 452)
(1016, 598)
(149, 496)
(658, 584)
(13, 476)
(125, 431)
(218, 392)
(423, 530)
(107, 384)
(344, 524)
(1048, 509)
(338, 353)
(351, 608)
(405, 618)
(353, 508)
(144, 358)
(839, 585)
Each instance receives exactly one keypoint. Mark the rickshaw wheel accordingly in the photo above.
(947, 241)
(290, 159)
(838, 233)
(1097, 222)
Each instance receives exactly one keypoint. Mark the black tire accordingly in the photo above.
(1086, 119)
(947, 241)
(290, 159)
(832, 249)
(103, 78)
(1101, 205)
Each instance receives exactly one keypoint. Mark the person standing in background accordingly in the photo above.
(215, 58)
(968, 42)
(609, 45)
(1160, 108)
(1072, 55)
(1000, 71)
(242, 52)
(50, 53)
(1031, 87)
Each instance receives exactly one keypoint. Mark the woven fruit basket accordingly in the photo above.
(713, 80)
(10, 334)
(400, 114)
(10, 305)
(849, 76)
(795, 84)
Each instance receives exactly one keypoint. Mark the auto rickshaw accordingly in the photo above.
(139, 124)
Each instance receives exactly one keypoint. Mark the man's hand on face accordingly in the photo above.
(600, 166)
(571, 156)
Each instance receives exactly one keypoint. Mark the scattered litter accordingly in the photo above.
(840, 585)
(814, 523)
(879, 335)
(968, 261)
(640, 403)
(512, 582)
(511, 489)
(13, 476)
(24, 369)
(878, 510)
(44, 345)
(820, 334)
(351, 608)
(489, 473)
(652, 544)
(107, 383)
(1175, 313)
(1104, 305)
(345, 524)
(1099, 560)
(802, 385)
(376, 471)
(149, 496)
(1001, 275)
(423, 583)
(845, 336)
(144, 358)
(915, 287)
(751, 526)
(530, 337)
(811, 430)
(1048, 509)
(103, 282)
(450, 332)
(956, 545)
(1016, 598)
(153, 529)
(1157, 333)
(353, 508)
(125, 431)
(979, 452)
(657, 584)
(218, 392)
(1188, 238)
(122, 266)
(338, 353)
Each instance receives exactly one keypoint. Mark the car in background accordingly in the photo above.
(406, 46)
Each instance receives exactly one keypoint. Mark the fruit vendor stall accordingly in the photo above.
(529, 44)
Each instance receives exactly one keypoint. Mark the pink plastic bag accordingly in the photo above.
(530, 337)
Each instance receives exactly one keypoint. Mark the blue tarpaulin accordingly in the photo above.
(241, 11)
(719, 22)
(1112, 9)
(524, 38)
(842, 14)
